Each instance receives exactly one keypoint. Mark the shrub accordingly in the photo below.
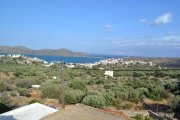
(142, 91)
(3, 106)
(13, 93)
(100, 82)
(134, 96)
(23, 83)
(155, 92)
(94, 101)
(119, 104)
(2, 86)
(91, 82)
(93, 92)
(122, 95)
(78, 85)
(73, 96)
(109, 96)
(122, 91)
(174, 102)
(50, 90)
(10, 87)
(34, 101)
(24, 92)
(165, 94)
(141, 117)
(18, 73)
(137, 74)
(171, 86)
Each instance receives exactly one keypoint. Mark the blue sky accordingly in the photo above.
(118, 27)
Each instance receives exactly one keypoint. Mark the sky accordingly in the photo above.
(112, 27)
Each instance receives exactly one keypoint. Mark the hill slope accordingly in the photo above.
(24, 50)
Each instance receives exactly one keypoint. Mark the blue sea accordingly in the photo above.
(67, 59)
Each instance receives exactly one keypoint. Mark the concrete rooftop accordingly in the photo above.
(33, 111)
(82, 112)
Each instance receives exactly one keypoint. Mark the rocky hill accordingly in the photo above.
(55, 52)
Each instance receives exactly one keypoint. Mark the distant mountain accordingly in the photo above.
(24, 50)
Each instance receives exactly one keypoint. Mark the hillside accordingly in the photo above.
(24, 50)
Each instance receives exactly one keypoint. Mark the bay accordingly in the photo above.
(70, 59)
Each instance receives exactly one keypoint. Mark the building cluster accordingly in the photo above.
(120, 61)
(125, 62)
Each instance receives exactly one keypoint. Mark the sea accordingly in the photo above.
(68, 59)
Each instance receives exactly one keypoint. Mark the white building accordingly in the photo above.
(108, 73)
(70, 66)
(36, 86)
(2, 55)
(54, 77)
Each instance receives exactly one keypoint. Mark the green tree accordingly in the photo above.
(94, 101)
(78, 85)
(174, 102)
(155, 92)
(50, 90)
(73, 96)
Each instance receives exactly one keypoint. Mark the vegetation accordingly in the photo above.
(95, 101)
(78, 85)
(35, 101)
(140, 117)
(50, 89)
(126, 90)
(74, 96)
(23, 92)
(2, 86)
(3, 106)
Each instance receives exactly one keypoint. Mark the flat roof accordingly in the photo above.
(82, 112)
(33, 111)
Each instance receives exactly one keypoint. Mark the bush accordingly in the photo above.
(109, 96)
(24, 92)
(133, 94)
(73, 96)
(137, 74)
(23, 83)
(94, 101)
(100, 82)
(155, 92)
(119, 104)
(10, 87)
(78, 85)
(142, 91)
(34, 101)
(50, 90)
(174, 102)
(165, 94)
(93, 92)
(91, 82)
(122, 95)
(2, 86)
(18, 73)
(13, 94)
(140, 117)
(3, 106)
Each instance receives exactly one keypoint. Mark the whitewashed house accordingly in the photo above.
(108, 73)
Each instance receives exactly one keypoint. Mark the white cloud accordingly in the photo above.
(108, 27)
(163, 19)
(170, 40)
(142, 20)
